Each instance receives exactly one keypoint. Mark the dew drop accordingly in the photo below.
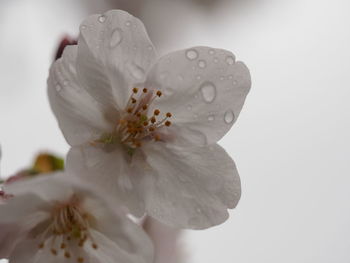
(83, 27)
(222, 78)
(230, 60)
(189, 107)
(211, 52)
(198, 210)
(58, 87)
(202, 63)
(211, 117)
(191, 54)
(136, 71)
(198, 77)
(216, 60)
(65, 82)
(102, 18)
(235, 82)
(230, 77)
(208, 91)
(116, 37)
(229, 116)
(128, 23)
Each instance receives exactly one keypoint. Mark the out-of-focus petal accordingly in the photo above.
(203, 88)
(114, 54)
(192, 188)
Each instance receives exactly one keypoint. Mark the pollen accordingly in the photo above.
(135, 90)
(156, 112)
(168, 114)
(159, 93)
(167, 123)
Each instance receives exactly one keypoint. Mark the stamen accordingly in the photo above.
(54, 251)
(167, 123)
(80, 260)
(145, 90)
(144, 107)
(94, 246)
(66, 254)
(41, 246)
(159, 93)
(156, 112)
(135, 90)
(168, 114)
(133, 100)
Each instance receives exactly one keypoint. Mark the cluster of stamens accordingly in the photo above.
(68, 229)
(137, 124)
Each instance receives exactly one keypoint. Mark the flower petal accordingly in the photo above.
(110, 251)
(191, 188)
(80, 117)
(108, 172)
(203, 88)
(114, 53)
(24, 252)
(9, 234)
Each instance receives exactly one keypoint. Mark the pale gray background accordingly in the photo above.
(291, 142)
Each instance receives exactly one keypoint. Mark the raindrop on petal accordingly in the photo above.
(191, 54)
(229, 116)
(127, 23)
(208, 91)
(216, 60)
(189, 107)
(235, 82)
(211, 52)
(102, 18)
(202, 63)
(230, 60)
(58, 87)
(116, 38)
(211, 117)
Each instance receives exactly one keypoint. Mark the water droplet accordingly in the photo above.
(202, 63)
(198, 77)
(222, 78)
(198, 210)
(230, 77)
(127, 23)
(229, 116)
(211, 118)
(235, 82)
(189, 107)
(136, 71)
(58, 87)
(230, 60)
(208, 91)
(102, 18)
(65, 82)
(191, 54)
(211, 52)
(116, 37)
(83, 27)
(216, 60)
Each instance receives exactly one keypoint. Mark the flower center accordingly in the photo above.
(137, 124)
(67, 230)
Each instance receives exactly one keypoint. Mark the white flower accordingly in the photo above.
(56, 221)
(146, 129)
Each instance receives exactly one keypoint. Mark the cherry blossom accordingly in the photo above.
(145, 129)
(52, 219)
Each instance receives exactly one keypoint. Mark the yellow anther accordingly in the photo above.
(153, 120)
(129, 110)
(80, 260)
(41, 245)
(168, 114)
(135, 90)
(157, 137)
(133, 100)
(159, 93)
(167, 123)
(156, 112)
(144, 107)
(138, 114)
(54, 251)
(145, 123)
(66, 254)
(151, 129)
(145, 90)
(63, 246)
(94, 246)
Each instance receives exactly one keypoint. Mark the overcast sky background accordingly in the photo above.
(291, 141)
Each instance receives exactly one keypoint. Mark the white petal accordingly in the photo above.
(109, 172)
(191, 188)
(20, 207)
(204, 89)
(9, 234)
(48, 187)
(24, 252)
(110, 251)
(114, 53)
(80, 117)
